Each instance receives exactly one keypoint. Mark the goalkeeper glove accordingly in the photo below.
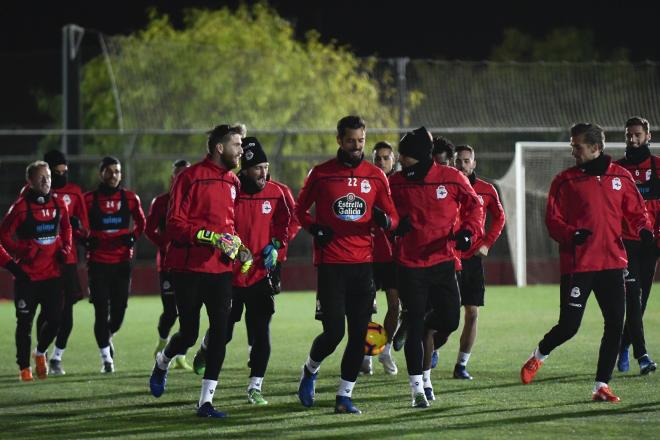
(245, 257)
(229, 244)
(128, 240)
(463, 241)
(270, 253)
(580, 236)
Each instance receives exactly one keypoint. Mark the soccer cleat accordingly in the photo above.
(56, 368)
(528, 371)
(388, 363)
(434, 359)
(646, 365)
(604, 394)
(366, 367)
(26, 375)
(428, 392)
(41, 364)
(344, 405)
(180, 363)
(460, 372)
(159, 346)
(256, 398)
(419, 401)
(623, 363)
(157, 381)
(306, 387)
(399, 338)
(199, 362)
(207, 410)
(108, 367)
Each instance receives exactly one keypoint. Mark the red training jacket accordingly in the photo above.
(344, 198)
(600, 204)
(202, 197)
(641, 174)
(155, 228)
(294, 224)
(490, 204)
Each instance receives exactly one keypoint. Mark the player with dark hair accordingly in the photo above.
(36, 232)
(587, 205)
(443, 151)
(424, 249)
(471, 281)
(109, 251)
(155, 231)
(201, 254)
(350, 196)
(642, 257)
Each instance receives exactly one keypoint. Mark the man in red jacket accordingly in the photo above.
(642, 258)
(37, 233)
(109, 251)
(202, 250)
(471, 282)
(428, 197)
(156, 232)
(587, 205)
(350, 196)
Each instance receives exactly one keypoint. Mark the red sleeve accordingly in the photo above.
(471, 211)
(497, 218)
(8, 232)
(305, 200)
(634, 209)
(178, 227)
(281, 219)
(559, 230)
(65, 229)
(157, 211)
(294, 224)
(80, 211)
(139, 221)
(384, 201)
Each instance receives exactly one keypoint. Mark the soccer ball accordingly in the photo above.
(376, 338)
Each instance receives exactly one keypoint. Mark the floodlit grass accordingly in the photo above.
(87, 404)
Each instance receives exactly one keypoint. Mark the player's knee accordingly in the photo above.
(471, 313)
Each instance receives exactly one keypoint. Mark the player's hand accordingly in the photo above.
(322, 234)
(270, 253)
(404, 227)
(580, 236)
(17, 271)
(229, 244)
(646, 237)
(128, 240)
(75, 222)
(482, 251)
(91, 243)
(381, 219)
(274, 276)
(245, 257)
(463, 240)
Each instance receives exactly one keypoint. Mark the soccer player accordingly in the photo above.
(350, 196)
(37, 233)
(471, 281)
(72, 196)
(443, 151)
(156, 232)
(642, 257)
(109, 251)
(428, 197)
(202, 250)
(587, 205)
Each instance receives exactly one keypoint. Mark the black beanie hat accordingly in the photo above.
(416, 144)
(253, 154)
(54, 158)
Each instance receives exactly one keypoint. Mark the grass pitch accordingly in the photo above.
(86, 404)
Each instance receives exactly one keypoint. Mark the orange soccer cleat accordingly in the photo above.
(528, 371)
(41, 363)
(26, 375)
(605, 394)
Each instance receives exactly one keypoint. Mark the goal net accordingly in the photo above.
(524, 190)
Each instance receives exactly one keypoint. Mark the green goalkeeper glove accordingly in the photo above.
(245, 257)
(270, 253)
(229, 244)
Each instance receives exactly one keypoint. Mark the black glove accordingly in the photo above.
(463, 241)
(75, 222)
(91, 243)
(646, 237)
(17, 271)
(322, 234)
(275, 278)
(381, 219)
(404, 227)
(580, 236)
(128, 240)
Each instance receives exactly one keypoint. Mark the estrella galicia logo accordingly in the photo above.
(350, 207)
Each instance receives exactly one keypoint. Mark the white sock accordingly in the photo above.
(599, 385)
(249, 349)
(416, 383)
(255, 383)
(387, 351)
(208, 388)
(463, 358)
(426, 379)
(345, 388)
(163, 361)
(105, 354)
(57, 353)
(312, 365)
(39, 353)
(538, 355)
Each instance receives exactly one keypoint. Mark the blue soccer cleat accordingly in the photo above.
(428, 392)
(623, 363)
(460, 372)
(434, 359)
(646, 365)
(306, 387)
(344, 405)
(157, 381)
(207, 410)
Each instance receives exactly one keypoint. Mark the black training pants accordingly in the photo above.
(109, 285)
(167, 297)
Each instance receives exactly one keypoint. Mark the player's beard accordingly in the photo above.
(228, 161)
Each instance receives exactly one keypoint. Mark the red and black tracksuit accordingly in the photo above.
(597, 196)
(344, 196)
(261, 215)
(429, 197)
(642, 259)
(37, 233)
(202, 197)
(109, 251)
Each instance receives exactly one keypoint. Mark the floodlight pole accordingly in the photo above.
(72, 36)
(401, 64)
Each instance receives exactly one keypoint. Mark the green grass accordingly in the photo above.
(87, 404)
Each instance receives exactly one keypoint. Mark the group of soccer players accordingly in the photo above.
(417, 232)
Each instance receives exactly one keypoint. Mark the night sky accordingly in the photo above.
(31, 32)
